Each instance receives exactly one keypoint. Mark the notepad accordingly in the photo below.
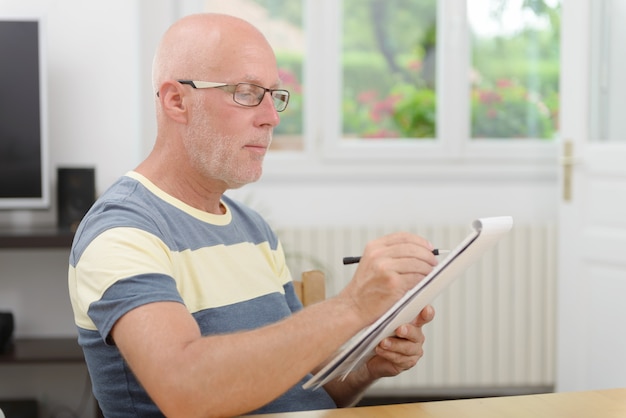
(484, 234)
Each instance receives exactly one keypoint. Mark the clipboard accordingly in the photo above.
(484, 234)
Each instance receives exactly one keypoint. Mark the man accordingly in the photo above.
(182, 298)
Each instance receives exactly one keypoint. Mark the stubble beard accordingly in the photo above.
(217, 157)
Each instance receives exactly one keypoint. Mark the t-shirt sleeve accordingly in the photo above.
(120, 270)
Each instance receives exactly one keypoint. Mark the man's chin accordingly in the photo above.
(239, 183)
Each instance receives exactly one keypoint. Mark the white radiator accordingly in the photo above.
(494, 326)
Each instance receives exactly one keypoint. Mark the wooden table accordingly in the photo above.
(592, 404)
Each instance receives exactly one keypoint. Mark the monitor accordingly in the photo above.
(23, 116)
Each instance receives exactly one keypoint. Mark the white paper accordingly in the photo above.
(485, 232)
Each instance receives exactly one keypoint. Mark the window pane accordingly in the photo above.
(515, 68)
(388, 59)
(281, 22)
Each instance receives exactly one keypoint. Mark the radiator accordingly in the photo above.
(494, 326)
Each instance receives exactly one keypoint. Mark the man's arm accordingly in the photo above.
(190, 375)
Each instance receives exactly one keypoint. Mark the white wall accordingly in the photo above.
(93, 62)
(100, 109)
(396, 201)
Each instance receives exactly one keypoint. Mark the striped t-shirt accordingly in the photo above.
(139, 245)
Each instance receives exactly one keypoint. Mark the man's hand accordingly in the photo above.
(389, 267)
(393, 356)
(401, 352)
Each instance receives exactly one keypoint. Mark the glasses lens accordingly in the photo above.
(248, 94)
(251, 95)
(281, 98)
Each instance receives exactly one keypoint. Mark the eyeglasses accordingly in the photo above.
(245, 94)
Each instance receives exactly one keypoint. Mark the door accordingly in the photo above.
(591, 341)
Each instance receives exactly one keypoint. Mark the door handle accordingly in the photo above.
(567, 161)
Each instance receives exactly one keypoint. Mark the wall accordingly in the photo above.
(100, 109)
(94, 120)
(397, 201)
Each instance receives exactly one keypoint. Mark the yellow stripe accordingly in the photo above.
(80, 315)
(206, 278)
(115, 254)
(224, 275)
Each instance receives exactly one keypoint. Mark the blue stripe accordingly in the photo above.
(128, 294)
(129, 204)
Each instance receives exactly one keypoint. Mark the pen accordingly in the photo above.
(354, 260)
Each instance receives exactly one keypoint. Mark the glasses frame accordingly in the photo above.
(232, 88)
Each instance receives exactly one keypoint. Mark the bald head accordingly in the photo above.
(206, 140)
(207, 46)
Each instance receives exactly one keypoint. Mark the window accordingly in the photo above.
(413, 79)
(388, 61)
(515, 68)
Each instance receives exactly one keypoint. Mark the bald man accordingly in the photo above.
(182, 298)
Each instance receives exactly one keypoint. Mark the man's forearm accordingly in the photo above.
(349, 392)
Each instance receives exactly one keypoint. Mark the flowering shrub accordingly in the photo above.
(416, 115)
(403, 110)
(504, 109)
(407, 112)
(368, 116)
(509, 110)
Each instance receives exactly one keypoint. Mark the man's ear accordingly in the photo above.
(171, 96)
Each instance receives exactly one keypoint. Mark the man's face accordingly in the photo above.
(228, 145)
(225, 140)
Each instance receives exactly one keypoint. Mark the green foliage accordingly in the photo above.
(415, 114)
(520, 57)
(408, 111)
(368, 115)
(394, 26)
(514, 91)
(509, 110)
(516, 78)
(366, 71)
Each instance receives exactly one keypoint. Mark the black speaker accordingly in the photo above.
(6, 330)
(19, 408)
(76, 192)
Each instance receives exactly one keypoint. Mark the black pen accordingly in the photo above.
(354, 260)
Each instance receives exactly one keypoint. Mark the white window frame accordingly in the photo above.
(453, 155)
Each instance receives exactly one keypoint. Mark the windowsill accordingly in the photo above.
(482, 161)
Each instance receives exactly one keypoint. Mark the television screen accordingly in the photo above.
(23, 173)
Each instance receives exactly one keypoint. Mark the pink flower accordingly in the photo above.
(504, 83)
(367, 96)
(415, 65)
(384, 108)
(289, 80)
(287, 77)
(489, 97)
